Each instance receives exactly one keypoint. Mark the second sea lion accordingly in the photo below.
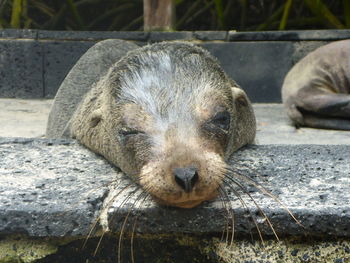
(168, 116)
(316, 91)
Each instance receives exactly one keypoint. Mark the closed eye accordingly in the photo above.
(130, 132)
(222, 120)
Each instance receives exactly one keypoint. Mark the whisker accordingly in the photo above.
(230, 214)
(268, 193)
(134, 227)
(97, 219)
(256, 204)
(138, 198)
(107, 206)
(250, 214)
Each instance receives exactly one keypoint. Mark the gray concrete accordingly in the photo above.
(56, 188)
(23, 118)
(50, 188)
(274, 127)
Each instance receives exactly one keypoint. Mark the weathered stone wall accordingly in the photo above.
(33, 63)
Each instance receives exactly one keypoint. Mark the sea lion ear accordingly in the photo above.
(239, 97)
(245, 124)
(95, 118)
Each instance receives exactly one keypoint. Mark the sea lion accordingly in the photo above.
(166, 114)
(316, 91)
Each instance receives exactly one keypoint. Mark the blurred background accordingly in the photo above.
(127, 15)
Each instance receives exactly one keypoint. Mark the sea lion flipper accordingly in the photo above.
(321, 109)
(326, 123)
(324, 103)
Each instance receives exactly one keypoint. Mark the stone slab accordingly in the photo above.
(258, 67)
(168, 36)
(210, 35)
(56, 188)
(59, 58)
(92, 35)
(23, 118)
(290, 35)
(50, 188)
(21, 69)
(34, 62)
(18, 33)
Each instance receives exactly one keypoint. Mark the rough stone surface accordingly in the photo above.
(255, 66)
(210, 35)
(92, 36)
(21, 69)
(59, 58)
(50, 188)
(56, 188)
(16, 33)
(167, 36)
(43, 58)
(290, 35)
(287, 251)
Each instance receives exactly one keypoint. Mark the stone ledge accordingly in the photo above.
(55, 188)
(290, 35)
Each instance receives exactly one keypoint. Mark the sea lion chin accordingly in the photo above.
(169, 117)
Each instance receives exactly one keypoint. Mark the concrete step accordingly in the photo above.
(53, 191)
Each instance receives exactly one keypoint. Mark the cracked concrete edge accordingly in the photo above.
(44, 185)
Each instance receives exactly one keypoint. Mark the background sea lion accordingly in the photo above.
(316, 90)
(166, 114)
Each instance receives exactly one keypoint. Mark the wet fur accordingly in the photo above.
(316, 90)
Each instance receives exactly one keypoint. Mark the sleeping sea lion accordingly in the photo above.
(316, 91)
(166, 114)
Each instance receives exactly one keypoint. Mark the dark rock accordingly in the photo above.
(258, 67)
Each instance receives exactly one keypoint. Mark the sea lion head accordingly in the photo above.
(169, 117)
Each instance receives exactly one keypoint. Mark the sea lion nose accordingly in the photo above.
(186, 177)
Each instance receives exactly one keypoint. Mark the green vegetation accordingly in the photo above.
(242, 15)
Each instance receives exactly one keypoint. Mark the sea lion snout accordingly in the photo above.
(186, 177)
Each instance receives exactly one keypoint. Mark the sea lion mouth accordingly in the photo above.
(188, 204)
(184, 204)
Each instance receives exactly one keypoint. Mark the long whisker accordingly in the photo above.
(244, 204)
(108, 204)
(268, 193)
(243, 188)
(138, 198)
(230, 214)
(134, 227)
(97, 219)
